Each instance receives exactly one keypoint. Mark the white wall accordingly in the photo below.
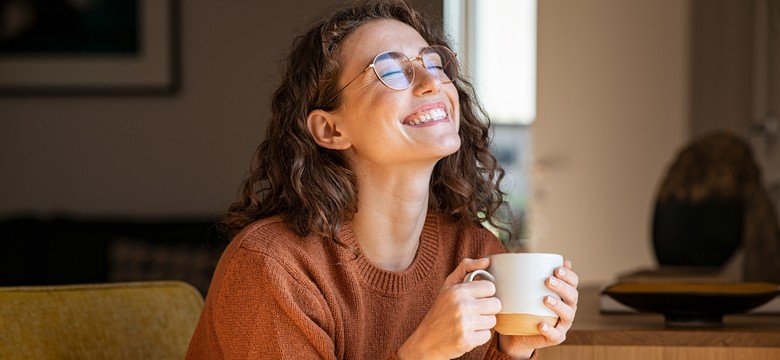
(613, 92)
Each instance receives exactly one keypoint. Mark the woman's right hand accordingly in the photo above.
(459, 320)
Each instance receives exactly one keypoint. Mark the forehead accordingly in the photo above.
(377, 36)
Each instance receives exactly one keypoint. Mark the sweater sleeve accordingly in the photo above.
(265, 311)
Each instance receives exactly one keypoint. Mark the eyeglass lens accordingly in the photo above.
(396, 70)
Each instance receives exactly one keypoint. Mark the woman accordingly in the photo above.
(361, 215)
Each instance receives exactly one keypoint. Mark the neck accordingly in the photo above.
(390, 217)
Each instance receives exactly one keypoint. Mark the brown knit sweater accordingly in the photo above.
(275, 295)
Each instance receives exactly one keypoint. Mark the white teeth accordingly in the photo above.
(432, 114)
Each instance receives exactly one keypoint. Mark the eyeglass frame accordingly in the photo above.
(414, 72)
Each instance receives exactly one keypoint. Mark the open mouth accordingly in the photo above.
(426, 116)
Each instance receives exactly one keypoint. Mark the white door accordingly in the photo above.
(765, 128)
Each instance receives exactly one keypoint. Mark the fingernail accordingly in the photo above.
(561, 271)
(553, 281)
(545, 327)
(552, 300)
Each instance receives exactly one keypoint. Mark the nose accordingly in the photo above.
(424, 81)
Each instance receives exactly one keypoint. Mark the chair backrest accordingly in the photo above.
(133, 320)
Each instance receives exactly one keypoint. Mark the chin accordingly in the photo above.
(451, 147)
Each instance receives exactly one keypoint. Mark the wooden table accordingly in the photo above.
(644, 336)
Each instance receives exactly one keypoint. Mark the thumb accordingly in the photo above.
(466, 266)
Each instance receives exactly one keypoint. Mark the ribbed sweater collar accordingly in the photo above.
(390, 283)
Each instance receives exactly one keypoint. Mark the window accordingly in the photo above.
(496, 42)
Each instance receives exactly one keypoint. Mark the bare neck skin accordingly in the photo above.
(392, 207)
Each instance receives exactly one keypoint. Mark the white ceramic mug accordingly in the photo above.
(520, 285)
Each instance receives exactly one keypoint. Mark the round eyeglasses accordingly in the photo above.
(396, 70)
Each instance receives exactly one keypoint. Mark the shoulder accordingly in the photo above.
(268, 251)
(273, 237)
(271, 243)
(264, 233)
(265, 270)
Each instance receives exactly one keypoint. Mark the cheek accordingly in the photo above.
(452, 93)
(457, 118)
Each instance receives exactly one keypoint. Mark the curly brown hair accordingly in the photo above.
(314, 188)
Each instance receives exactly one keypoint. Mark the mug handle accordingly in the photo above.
(470, 276)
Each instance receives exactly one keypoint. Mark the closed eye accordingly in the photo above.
(388, 74)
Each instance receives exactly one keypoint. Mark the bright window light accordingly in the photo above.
(496, 40)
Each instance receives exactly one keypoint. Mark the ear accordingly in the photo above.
(322, 126)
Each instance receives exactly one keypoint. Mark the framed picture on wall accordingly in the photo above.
(88, 47)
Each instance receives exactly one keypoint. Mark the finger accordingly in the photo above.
(481, 337)
(565, 312)
(485, 322)
(487, 306)
(568, 275)
(566, 291)
(567, 264)
(477, 289)
(466, 266)
(553, 334)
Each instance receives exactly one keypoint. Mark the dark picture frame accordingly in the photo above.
(144, 62)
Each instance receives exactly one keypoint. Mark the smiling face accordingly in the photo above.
(386, 127)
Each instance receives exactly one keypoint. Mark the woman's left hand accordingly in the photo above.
(564, 283)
